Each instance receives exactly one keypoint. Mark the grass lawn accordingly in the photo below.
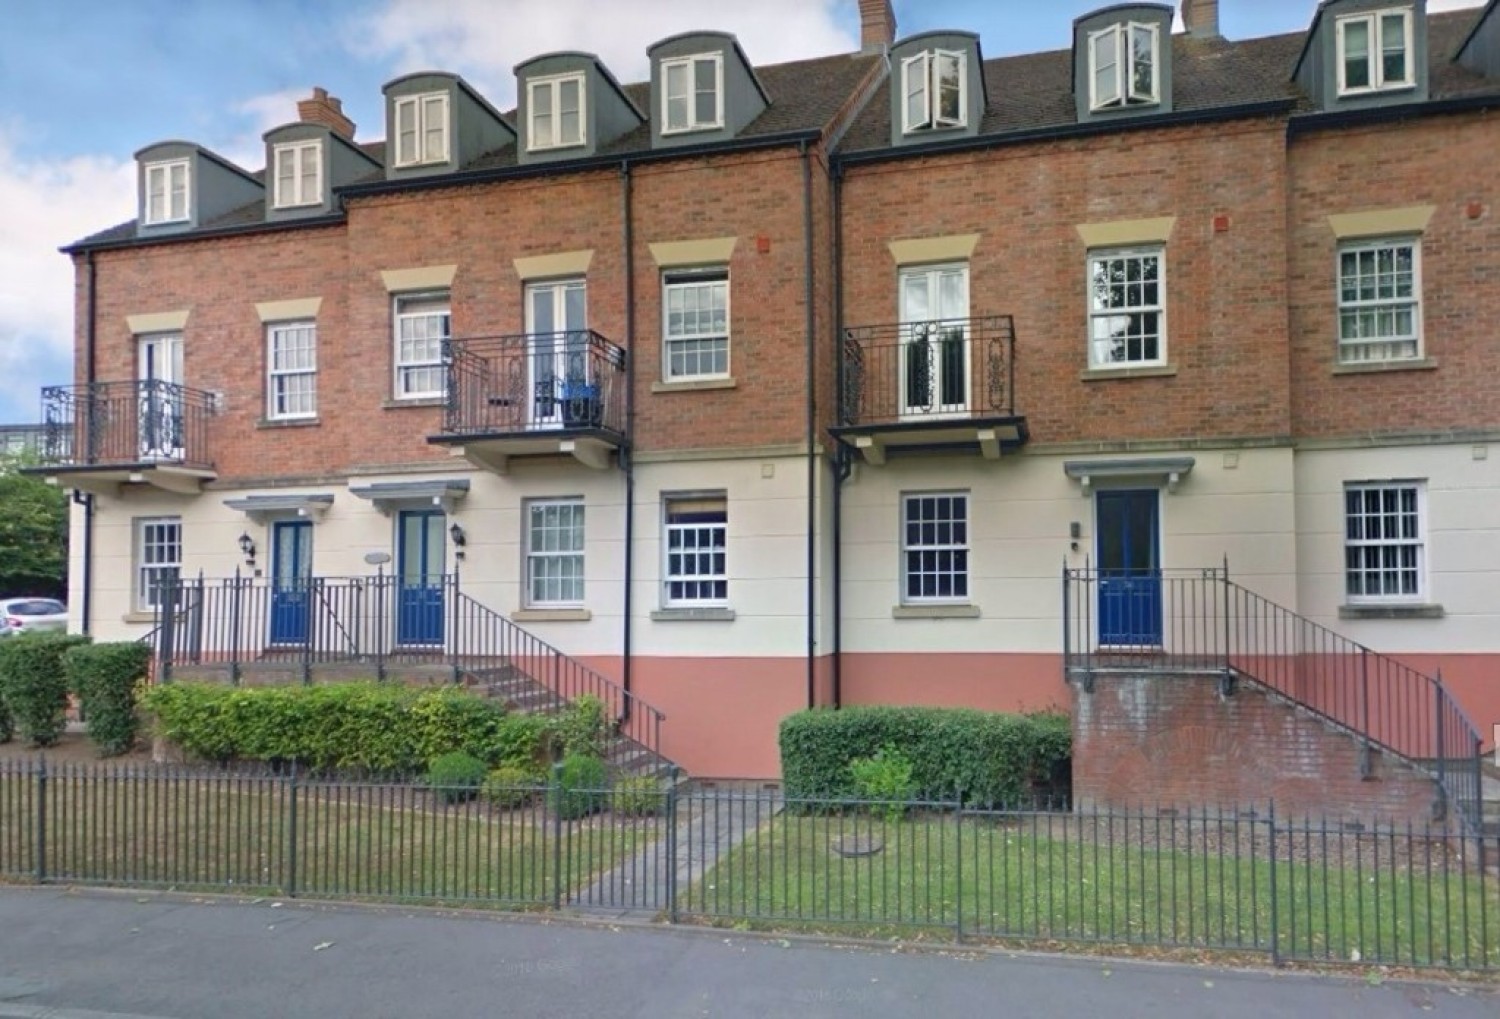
(1202, 884)
(388, 842)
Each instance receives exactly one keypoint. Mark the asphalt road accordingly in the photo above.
(109, 955)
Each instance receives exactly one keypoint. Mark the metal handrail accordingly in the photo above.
(942, 368)
(533, 382)
(126, 422)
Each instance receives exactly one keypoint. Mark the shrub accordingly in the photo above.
(884, 776)
(7, 724)
(106, 678)
(351, 727)
(521, 741)
(456, 776)
(984, 759)
(581, 729)
(578, 787)
(638, 796)
(34, 685)
(509, 786)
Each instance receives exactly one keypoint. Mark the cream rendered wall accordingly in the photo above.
(1462, 525)
(1020, 511)
(767, 550)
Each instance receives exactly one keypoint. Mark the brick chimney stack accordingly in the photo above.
(877, 25)
(1201, 18)
(325, 109)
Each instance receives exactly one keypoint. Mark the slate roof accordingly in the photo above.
(1027, 93)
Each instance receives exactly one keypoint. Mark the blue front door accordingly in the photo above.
(419, 564)
(1129, 569)
(291, 581)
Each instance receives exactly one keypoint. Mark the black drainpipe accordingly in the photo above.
(627, 460)
(841, 464)
(812, 426)
(86, 499)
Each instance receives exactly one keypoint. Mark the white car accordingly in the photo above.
(25, 615)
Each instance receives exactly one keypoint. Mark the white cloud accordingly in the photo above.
(485, 39)
(47, 205)
(1433, 6)
(263, 112)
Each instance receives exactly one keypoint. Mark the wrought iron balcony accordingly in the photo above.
(930, 384)
(535, 393)
(134, 425)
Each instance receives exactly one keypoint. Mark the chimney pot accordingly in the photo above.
(877, 25)
(1201, 18)
(325, 109)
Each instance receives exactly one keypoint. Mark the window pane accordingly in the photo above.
(706, 87)
(1106, 57)
(1142, 63)
(1356, 53)
(950, 89)
(916, 71)
(406, 131)
(677, 96)
(1393, 48)
(934, 547)
(570, 118)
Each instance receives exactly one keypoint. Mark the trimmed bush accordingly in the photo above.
(523, 742)
(509, 786)
(106, 679)
(580, 728)
(983, 758)
(456, 777)
(34, 685)
(638, 796)
(349, 727)
(578, 787)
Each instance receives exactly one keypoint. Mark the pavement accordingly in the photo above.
(67, 954)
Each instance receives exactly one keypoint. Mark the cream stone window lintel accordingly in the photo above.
(431, 277)
(289, 311)
(563, 263)
(708, 251)
(1122, 233)
(1410, 219)
(921, 250)
(157, 322)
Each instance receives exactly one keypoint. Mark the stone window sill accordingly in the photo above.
(425, 401)
(551, 616)
(704, 615)
(1391, 612)
(138, 617)
(693, 386)
(1152, 371)
(1414, 364)
(935, 612)
(288, 423)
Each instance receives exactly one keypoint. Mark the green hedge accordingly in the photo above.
(34, 685)
(985, 759)
(106, 678)
(350, 727)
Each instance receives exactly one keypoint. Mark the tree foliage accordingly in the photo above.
(33, 533)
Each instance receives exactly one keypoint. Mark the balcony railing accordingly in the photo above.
(128, 423)
(537, 382)
(928, 371)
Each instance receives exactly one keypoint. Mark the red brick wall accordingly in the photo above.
(1448, 162)
(1226, 291)
(1171, 741)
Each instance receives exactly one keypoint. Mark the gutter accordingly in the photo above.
(86, 499)
(808, 292)
(259, 227)
(626, 456)
(1389, 114)
(842, 465)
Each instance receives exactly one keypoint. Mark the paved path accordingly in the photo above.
(105, 955)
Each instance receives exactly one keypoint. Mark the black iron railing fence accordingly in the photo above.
(1200, 620)
(916, 371)
(503, 385)
(126, 423)
(1245, 881)
(371, 627)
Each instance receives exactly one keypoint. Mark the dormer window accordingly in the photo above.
(692, 93)
(1375, 52)
(422, 129)
(299, 174)
(1124, 69)
(554, 111)
(935, 84)
(166, 192)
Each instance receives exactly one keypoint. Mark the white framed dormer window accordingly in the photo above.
(555, 112)
(167, 192)
(422, 323)
(1380, 301)
(1375, 51)
(934, 86)
(695, 552)
(695, 325)
(692, 93)
(1127, 308)
(1124, 68)
(422, 129)
(299, 174)
(158, 558)
(935, 548)
(1384, 542)
(291, 371)
(554, 553)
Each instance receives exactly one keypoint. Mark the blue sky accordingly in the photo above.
(88, 82)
